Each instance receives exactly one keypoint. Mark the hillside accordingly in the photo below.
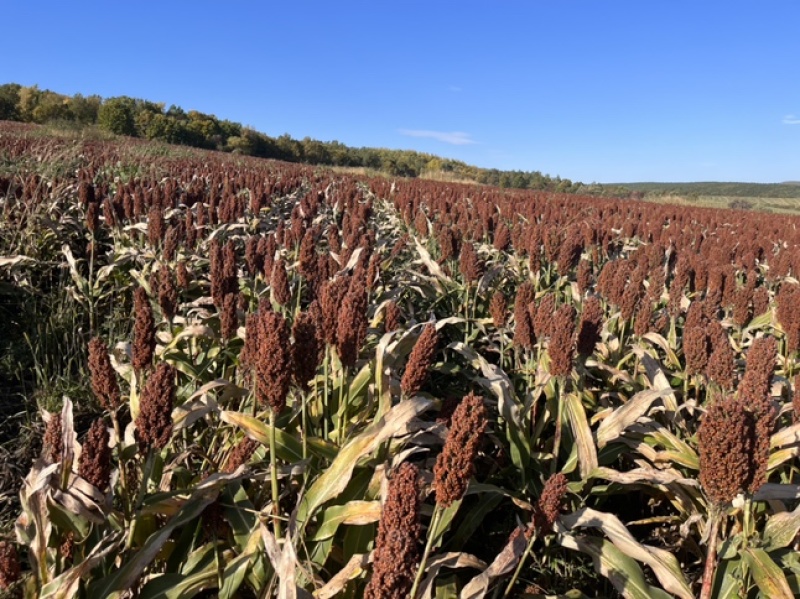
(150, 120)
(716, 188)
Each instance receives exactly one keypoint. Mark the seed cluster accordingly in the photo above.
(589, 327)
(455, 465)
(95, 460)
(726, 443)
(397, 545)
(154, 422)
(562, 341)
(53, 442)
(273, 360)
(550, 503)
(144, 331)
(524, 336)
(104, 380)
(420, 360)
(10, 569)
(241, 454)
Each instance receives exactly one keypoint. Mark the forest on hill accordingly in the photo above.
(150, 120)
(789, 189)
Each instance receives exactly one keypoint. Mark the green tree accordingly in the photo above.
(50, 107)
(84, 109)
(9, 99)
(28, 101)
(118, 115)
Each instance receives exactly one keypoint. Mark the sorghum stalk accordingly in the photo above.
(437, 516)
(559, 387)
(545, 514)
(520, 564)
(711, 555)
(273, 471)
(91, 284)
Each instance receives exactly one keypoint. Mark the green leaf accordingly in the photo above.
(472, 519)
(442, 525)
(498, 382)
(637, 406)
(768, 575)
(354, 512)
(240, 513)
(66, 520)
(781, 529)
(126, 576)
(727, 579)
(335, 479)
(587, 453)
(65, 586)
(663, 563)
(621, 570)
(180, 586)
(247, 563)
(288, 449)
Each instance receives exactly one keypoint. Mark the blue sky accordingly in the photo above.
(591, 90)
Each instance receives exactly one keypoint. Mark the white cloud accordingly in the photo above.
(456, 138)
(454, 88)
(791, 119)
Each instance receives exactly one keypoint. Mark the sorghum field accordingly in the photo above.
(233, 377)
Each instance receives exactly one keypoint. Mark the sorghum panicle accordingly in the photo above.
(104, 379)
(590, 326)
(391, 317)
(95, 461)
(695, 339)
(455, 465)
(154, 422)
(497, 309)
(550, 503)
(331, 296)
(725, 443)
(351, 329)
(167, 294)
(524, 336)
(228, 316)
(144, 331)
(420, 361)
(273, 360)
(562, 341)
(469, 264)
(721, 367)
(240, 454)
(10, 570)
(396, 552)
(584, 276)
(306, 350)
(757, 380)
(279, 284)
(53, 442)
(543, 319)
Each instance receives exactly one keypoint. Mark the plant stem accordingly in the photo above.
(521, 563)
(437, 515)
(711, 557)
(126, 500)
(273, 472)
(326, 405)
(91, 289)
(557, 437)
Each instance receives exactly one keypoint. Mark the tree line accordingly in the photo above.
(123, 115)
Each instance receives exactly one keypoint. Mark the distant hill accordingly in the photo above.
(790, 189)
(146, 119)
